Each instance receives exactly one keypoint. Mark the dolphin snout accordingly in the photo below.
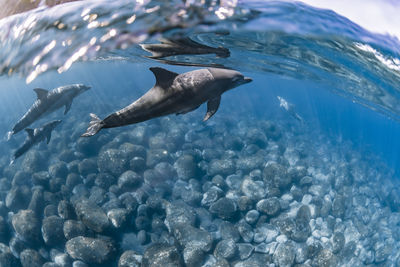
(247, 79)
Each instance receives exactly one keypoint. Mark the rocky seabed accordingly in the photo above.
(237, 192)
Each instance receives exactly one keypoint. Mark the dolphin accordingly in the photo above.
(182, 46)
(48, 102)
(174, 93)
(34, 137)
(289, 108)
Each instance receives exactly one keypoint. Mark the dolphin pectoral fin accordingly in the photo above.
(30, 132)
(48, 138)
(164, 78)
(212, 107)
(41, 93)
(67, 107)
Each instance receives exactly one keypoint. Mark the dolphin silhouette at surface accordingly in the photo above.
(48, 102)
(34, 137)
(174, 93)
(182, 46)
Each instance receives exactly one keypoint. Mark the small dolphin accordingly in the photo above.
(182, 46)
(48, 102)
(174, 93)
(34, 137)
(289, 108)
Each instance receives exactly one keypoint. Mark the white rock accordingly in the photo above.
(281, 239)
(287, 197)
(306, 199)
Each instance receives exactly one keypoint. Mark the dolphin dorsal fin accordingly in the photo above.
(164, 78)
(41, 93)
(29, 132)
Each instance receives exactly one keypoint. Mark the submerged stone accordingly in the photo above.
(222, 167)
(27, 226)
(270, 206)
(112, 161)
(224, 208)
(90, 250)
(162, 255)
(72, 228)
(130, 258)
(284, 254)
(31, 258)
(188, 235)
(193, 256)
(226, 249)
(91, 215)
(52, 231)
(185, 167)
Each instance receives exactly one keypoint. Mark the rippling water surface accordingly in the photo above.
(340, 133)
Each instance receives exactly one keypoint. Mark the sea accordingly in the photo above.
(299, 167)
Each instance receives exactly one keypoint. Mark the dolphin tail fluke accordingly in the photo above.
(95, 126)
(9, 134)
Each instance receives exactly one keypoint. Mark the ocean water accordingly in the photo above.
(297, 168)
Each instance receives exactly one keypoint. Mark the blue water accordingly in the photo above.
(341, 79)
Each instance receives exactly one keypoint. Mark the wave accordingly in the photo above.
(292, 40)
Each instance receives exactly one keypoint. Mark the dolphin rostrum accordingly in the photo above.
(34, 137)
(48, 102)
(174, 93)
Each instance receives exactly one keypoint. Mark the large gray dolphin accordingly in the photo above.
(34, 137)
(48, 102)
(174, 93)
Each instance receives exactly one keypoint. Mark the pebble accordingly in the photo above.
(193, 256)
(91, 215)
(162, 255)
(37, 201)
(256, 259)
(65, 210)
(90, 250)
(338, 241)
(189, 235)
(226, 249)
(186, 167)
(211, 196)
(31, 258)
(255, 190)
(245, 231)
(112, 161)
(245, 250)
(52, 231)
(18, 198)
(224, 208)
(284, 254)
(129, 181)
(221, 166)
(178, 212)
(27, 226)
(270, 206)
(130, 258)
(229, 231)
(118, 217)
